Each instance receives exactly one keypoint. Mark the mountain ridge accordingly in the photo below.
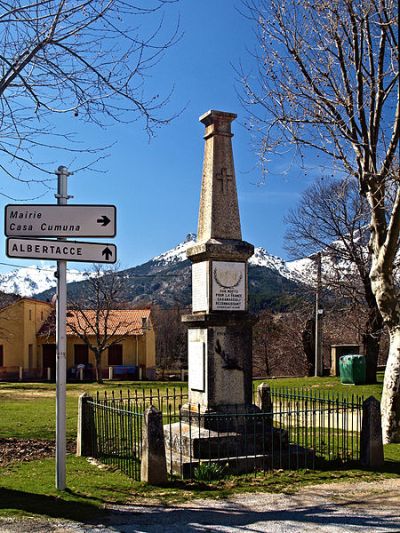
(166, 280)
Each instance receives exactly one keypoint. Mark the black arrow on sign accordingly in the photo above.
(103, 220)
(107, 252)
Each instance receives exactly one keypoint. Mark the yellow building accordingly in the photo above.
(130, 331)
(19, 348)
(28, 349)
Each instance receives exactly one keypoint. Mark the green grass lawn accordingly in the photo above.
(328, 385)
(28, 409)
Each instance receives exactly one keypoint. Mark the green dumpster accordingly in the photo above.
(352, 369)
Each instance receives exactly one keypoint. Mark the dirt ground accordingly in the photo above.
(12, 449)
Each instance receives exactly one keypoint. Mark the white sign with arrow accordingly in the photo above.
(87, 252)
(42, 220)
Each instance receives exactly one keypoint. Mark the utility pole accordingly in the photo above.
(318, 362)
(61, 344)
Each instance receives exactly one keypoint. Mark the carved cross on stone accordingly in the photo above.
(224, 178)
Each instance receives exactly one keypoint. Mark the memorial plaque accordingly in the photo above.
(200, 293)
(196, 361)
(228, 286)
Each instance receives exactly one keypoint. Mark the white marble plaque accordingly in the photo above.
(196, 355)
(228, 286)
(200, 287)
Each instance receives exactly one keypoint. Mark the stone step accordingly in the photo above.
(292, 458)
(200, 443)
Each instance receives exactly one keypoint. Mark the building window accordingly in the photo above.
(30, 314)
(1, 355)
(41, 315)
(115, 355)
(30, 356)
(81, 354)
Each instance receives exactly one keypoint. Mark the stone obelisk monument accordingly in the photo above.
(220, 327)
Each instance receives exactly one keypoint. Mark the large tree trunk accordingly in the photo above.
(386, 298)
(390, 404)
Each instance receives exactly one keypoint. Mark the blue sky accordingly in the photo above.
(156, 185)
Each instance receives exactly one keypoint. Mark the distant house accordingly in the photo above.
(19, 347)
(131, 333)
(28, 349)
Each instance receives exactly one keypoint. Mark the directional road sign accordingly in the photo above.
(86, 252)
(43, 220)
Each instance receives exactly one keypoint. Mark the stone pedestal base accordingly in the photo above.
(188, 444)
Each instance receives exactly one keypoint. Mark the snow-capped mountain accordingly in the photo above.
(165, 278)
(299, 270)
(28, 281)
(176, 254)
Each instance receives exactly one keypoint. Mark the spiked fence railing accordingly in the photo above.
(302, 430)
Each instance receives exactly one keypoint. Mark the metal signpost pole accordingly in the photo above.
(61, 346)
(25, 222)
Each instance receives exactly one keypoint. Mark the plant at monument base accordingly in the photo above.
(327, 86)
(208, 472)
(85, 60)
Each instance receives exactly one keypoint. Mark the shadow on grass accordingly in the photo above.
(51, 506)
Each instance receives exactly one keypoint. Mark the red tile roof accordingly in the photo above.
(117, 322)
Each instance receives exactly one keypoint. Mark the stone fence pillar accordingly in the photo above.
(263, 400)
(371, 444)
(153, 465)
(86, 429)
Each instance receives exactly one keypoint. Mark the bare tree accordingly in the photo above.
(99, 317)
(171, 338)
(86, 59)
(277, 344)
(328, 83)
(332, 217)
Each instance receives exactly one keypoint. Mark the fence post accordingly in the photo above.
(21, 373)
(263, 400)
(371, 444)
(84, 445)
(110, 372)
(48, 373)
(153, 462)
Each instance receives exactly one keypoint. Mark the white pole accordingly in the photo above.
(61, 345)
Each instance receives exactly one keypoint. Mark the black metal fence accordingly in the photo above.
(329, 424)
(113, 424)
(302, 430)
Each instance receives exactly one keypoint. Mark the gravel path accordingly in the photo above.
(362, 507)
